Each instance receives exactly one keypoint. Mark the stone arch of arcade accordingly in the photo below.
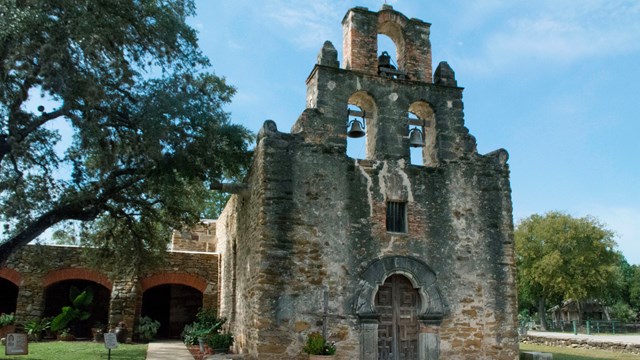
(76, 274)
(429, 312)
(173, 299)
(57, 286)
(10, 281)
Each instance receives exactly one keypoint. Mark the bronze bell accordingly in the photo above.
(415, 138)
(384, 61)
(356, 130)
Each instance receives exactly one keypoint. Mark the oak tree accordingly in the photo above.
(560, 257)
(108, 116)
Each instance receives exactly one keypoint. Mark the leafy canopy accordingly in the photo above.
(146, 135)
(562, 257)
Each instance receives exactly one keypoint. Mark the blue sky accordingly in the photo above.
(555, 82)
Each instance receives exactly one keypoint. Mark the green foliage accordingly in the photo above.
(317, 345)
(35, 328)
(623, 312)
(222, 340)
(634, 288)
(207, 324)
(561, 257)
(148, 328)
(215, 202)
(138, 153)
(80, 301)
(7, 319)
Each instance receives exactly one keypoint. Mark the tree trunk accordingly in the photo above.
(542, 313)
(580, 311)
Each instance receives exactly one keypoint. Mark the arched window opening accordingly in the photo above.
(416, 138)
(391, 51)
(360, 125)
(421, 121)
(356, 131)
(173, 305)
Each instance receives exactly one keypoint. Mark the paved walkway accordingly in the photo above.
(620, 338)
(168, 350)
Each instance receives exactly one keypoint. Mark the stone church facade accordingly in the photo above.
(390, 260)
(394, 260)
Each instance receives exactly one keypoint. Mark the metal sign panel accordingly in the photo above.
(17, 344)
(110, 341)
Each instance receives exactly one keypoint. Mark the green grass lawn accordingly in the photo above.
(79, 350)
(562, 353)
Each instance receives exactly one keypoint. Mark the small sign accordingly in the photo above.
(110, 341)
(17, 344)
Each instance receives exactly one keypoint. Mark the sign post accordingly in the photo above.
(110, 342)
(17, 344)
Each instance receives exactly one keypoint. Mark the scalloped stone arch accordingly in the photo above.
(420, 275)
(430, 314)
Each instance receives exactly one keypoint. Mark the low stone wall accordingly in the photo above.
(582, 344)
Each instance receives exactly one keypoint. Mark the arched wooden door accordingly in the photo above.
(397, 303)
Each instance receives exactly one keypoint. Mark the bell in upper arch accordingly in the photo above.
(384, 61)
(415, 138)
(356, 130)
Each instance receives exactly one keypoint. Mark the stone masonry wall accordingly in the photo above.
(202, 238)
(326, 224)
(40, 266)
(410, 36)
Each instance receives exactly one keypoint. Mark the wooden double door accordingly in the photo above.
(397, 303)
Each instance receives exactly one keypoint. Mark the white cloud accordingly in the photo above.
(307, 26)
(556, 32)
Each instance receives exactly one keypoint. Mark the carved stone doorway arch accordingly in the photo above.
(429, 307)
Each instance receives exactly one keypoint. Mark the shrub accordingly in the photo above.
(219, 340)
(7, 319)
(148, 328)
(317, 345)
(35, 328)
(207, 323)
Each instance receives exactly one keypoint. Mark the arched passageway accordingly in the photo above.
(57, 295)
(173, 305)
(8, 296)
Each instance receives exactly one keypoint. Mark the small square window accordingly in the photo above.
(397, 216)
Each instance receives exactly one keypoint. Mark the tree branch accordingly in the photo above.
(83, 211)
